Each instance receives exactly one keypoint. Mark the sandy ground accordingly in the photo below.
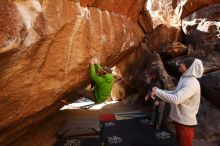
(45, 134)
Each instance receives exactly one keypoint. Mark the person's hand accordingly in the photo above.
(92, 61)
(153, 93)
(95, 60)
(146, 98)
(157, 103)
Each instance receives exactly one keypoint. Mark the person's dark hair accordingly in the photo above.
(188, 61)
(107, 70)
(104, 70)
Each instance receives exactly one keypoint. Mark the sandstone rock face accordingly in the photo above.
(203, 33)
(10, 27)
(145, 21)
(118, 90)
(130, 8)
(167, 35)
(52, 43)
(138, 66)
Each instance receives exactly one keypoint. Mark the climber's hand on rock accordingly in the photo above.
(93, 61)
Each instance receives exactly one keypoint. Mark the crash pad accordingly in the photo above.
(134, 132)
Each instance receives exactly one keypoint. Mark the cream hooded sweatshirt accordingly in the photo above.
(185, 99)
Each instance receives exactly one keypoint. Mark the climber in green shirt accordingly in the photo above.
(103, 81)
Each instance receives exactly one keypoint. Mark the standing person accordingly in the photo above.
(185, 100)
(158, 104)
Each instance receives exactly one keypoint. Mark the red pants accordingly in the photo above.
(184, 134)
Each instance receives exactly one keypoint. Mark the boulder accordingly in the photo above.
(208, 113)
(131, 99)
(167, 35)
(45, 51)
(118, 90)
(173, 50)
(202, 31)
(171, 65)
(210, 87)
(136, 70)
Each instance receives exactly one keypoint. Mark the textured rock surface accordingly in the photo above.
(137, 67)
(130, 8)
(203, 33)
(10, 27)
(46, 46)
(167, 35)
(208, 113)
(210, 84)
(145, 21)
(170, 12)
(174, 49)
(191, 6)
(118, 90)
(52, 43)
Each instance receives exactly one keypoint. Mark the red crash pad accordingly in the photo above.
(107, 118)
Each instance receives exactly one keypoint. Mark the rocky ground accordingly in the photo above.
(45, 133)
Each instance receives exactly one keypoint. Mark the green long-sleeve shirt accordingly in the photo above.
(103, 84)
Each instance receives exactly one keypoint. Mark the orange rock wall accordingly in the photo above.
(45, 52)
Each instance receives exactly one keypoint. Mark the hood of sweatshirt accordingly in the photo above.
(196, 69)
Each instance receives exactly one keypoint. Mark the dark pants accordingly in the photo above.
(157, 113)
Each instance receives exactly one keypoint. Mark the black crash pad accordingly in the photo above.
(133, 132)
